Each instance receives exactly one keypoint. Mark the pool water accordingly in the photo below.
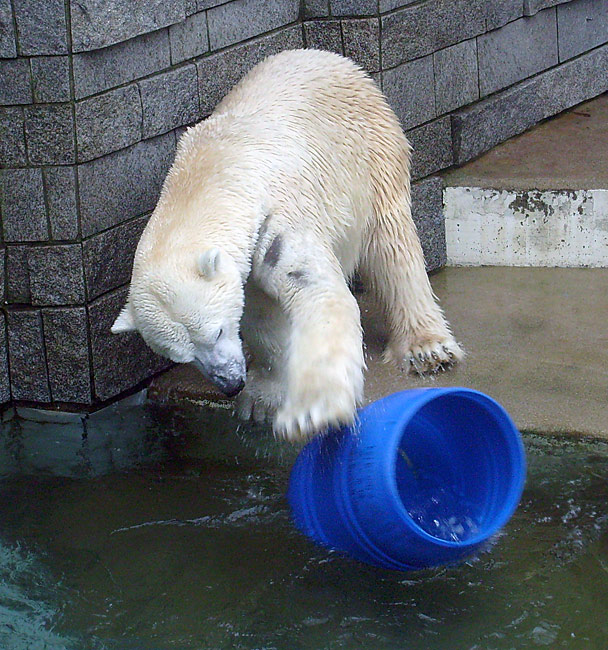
(164, 528)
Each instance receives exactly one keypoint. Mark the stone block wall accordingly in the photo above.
(93, 96)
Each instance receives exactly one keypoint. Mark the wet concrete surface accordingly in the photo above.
(536, 340)
(566, 152)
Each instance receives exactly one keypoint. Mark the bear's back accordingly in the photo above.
(330, 106)
(295, 79)
(306, 132)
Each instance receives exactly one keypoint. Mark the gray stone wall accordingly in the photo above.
(93, 96)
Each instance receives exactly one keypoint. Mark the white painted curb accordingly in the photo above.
(567, 228)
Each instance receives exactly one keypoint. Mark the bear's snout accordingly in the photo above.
(233, 389)
(229, 377)
(229, 385)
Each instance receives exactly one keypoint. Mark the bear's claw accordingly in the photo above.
(431, 358)
(248, 409)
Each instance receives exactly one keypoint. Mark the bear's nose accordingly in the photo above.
(230, 390)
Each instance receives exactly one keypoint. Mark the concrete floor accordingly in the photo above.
(536, 341)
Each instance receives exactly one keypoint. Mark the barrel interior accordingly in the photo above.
(456, 468)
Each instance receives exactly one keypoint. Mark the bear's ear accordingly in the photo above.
(125, 321)
(209, 262)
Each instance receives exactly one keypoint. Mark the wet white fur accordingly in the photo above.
(306, 149)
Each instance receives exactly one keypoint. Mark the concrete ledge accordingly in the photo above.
(526, 227)
(540, 199)
(567, 152)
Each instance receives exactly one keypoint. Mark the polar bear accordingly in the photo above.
(298, 178)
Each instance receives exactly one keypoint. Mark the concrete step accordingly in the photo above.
(539, 199)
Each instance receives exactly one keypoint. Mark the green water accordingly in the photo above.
(165, 529)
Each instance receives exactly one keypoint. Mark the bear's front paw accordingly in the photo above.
(260, 398)
(315, 412)
(425, 357)
(252, 408)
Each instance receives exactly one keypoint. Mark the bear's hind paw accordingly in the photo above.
(427, 358)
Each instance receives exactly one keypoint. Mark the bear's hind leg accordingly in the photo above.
(420, 339)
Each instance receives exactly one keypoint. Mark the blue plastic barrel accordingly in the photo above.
(424, 477)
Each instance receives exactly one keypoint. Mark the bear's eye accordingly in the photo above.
(219, 334)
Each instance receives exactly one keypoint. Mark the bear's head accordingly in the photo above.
(192, 316)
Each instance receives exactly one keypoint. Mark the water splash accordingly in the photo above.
(443, 514)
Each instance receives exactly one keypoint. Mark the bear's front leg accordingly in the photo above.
(420, 339)
(266, 332)
(324, 364)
